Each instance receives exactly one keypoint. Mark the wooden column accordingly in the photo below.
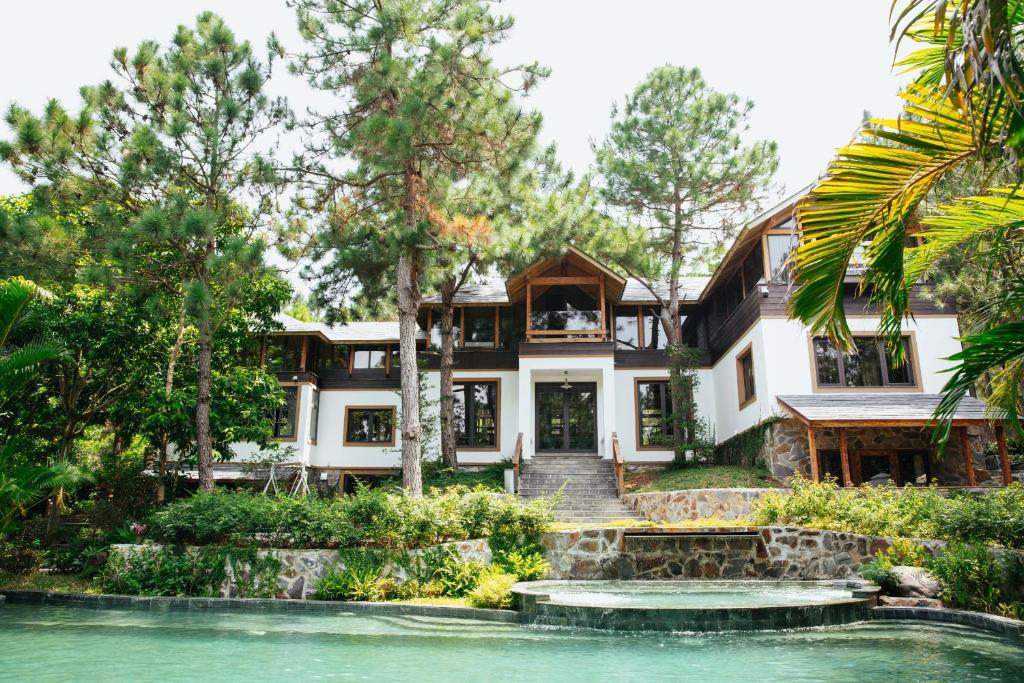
(529, 308)
(1004, 456)
(844, 456)
(965, 450)
(497, 327)
(462, 327)
(812, 450)
(600, 302)
(894, 467)
(304, 354)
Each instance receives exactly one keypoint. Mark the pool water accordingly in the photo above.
(73, 643)
(690, 594)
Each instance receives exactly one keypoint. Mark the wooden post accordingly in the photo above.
(430, 328)
(894, 467)
(640, 341)
(812, 450)
(529, 308)
(304, 353)
(1004, 456)
(844, 456)
(462, 327)
(600, 300)
(965, 450)
(497, 327)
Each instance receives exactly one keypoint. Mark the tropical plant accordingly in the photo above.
(20, 365)
(964, 108)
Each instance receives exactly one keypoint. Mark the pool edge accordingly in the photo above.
(980, 620)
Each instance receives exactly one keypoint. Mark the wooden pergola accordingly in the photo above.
(840, 412)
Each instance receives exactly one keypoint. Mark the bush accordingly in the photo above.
(971, 576)
(197, 573)
(371, 517)
(996, 517)
(902, 553)
(528, 566)
(493, 591)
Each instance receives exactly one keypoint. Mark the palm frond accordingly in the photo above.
(20, 367)
(865, 202)
(15, 295)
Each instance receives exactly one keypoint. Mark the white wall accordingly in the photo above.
(330, 451)
(730, 419)
(508, 414)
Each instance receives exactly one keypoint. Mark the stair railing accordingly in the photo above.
(517, 455)
(620, 480)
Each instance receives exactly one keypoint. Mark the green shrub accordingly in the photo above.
(902, 553)
(528, 566)
(83, 552)
(456, 577)
(996, 517)
(879, 571)
(971, 576)
(493, 591)
(360, 576)
(197, 573)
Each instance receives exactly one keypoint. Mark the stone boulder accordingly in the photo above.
(916, 582)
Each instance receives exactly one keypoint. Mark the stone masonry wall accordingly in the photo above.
(694, 504)
(301, 569)
(786, 451)
(726, 553)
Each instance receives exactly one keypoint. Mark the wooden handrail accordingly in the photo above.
(517, 455)
(620, 479)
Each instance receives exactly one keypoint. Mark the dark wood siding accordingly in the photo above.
(566, 348)
(475, 360)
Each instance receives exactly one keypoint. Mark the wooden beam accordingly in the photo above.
(965, 451)
(844, 457)
(1004, 456)
(565, 280)
(812, 450)
(304, 353)
(640, 341)
(462, 327)
(497, 327)
(894, 466)
(600, 300)
(529, 307)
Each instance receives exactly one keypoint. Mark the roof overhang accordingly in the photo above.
(880, 410)
(574, 262)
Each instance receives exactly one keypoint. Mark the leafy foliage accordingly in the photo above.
(971, 576)
(493, 591)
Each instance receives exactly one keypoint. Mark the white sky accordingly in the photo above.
(810, 66)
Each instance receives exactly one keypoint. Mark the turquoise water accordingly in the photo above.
(689, 594)
(78, 644)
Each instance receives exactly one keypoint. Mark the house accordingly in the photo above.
(568, 357)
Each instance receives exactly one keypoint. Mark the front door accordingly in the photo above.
(567, 418)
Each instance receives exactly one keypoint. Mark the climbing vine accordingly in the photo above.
(693, 441)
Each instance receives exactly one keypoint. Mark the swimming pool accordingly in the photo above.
(59, 643)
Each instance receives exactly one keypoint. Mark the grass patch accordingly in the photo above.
(437, 476)
(701, 477)
(53, 583)
(708, 522)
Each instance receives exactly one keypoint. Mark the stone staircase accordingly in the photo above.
(589, 495)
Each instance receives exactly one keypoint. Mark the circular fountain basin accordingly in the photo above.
(700, 606)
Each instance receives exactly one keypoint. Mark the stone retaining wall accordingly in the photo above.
(725, 553)
(301, 569)
(693, 504)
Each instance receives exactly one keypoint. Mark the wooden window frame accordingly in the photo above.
(497, 414)
(295, 418)
(912, 357)
(741, 388)
(369, 444)
(637, 381)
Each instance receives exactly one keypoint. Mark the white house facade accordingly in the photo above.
(568, 357)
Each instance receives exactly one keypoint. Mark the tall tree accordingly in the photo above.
(424, 108)
(676, 162)
(178, 150)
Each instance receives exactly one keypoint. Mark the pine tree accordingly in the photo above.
(423, 108)
(676, 164)
(168, 150)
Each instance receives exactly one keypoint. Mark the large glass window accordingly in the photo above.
(286, 415)
(654, 332)
(476, 414)
(745, 377)
(869, 365)
(627, 328)
(779, 249)
(370, 426)
(369, 357)
(512, 329)
(479, 322)
(565, 308)
(284, 353)
(654, 414)
(435, 331)
(333, 357)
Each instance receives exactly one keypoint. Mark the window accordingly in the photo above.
(285, 415)
(479, 322)
(476, 414)
(512, 328)
(627, 328)
(369, 425)
(869, 365)
(654, 332)
(314, 417)
(369, 357)
(333, 357)
(284, 353)
(745, 376)
(653, 414)
(779, 249)
(435, 331)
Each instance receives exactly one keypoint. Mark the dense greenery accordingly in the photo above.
(996, 517)
(371, 517)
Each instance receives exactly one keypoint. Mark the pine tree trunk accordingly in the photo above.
(204, 443)
(408, 303)
(680, 422)
(448, 452)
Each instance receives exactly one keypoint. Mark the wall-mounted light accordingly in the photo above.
(295, 378)
(762, 287)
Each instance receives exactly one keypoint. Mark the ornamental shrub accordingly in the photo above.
(198, 572)
(971, 576)
(493, 591)
(527, 565)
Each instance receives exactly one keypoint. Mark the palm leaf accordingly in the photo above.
(15, 295)
(865, 201)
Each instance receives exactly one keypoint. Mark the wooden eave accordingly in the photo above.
(572, 267)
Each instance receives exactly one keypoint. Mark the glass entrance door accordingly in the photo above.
(567, 418)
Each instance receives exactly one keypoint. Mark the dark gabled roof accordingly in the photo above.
(690, 288)
(912, 409)
(363, 331)
(489, 292)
